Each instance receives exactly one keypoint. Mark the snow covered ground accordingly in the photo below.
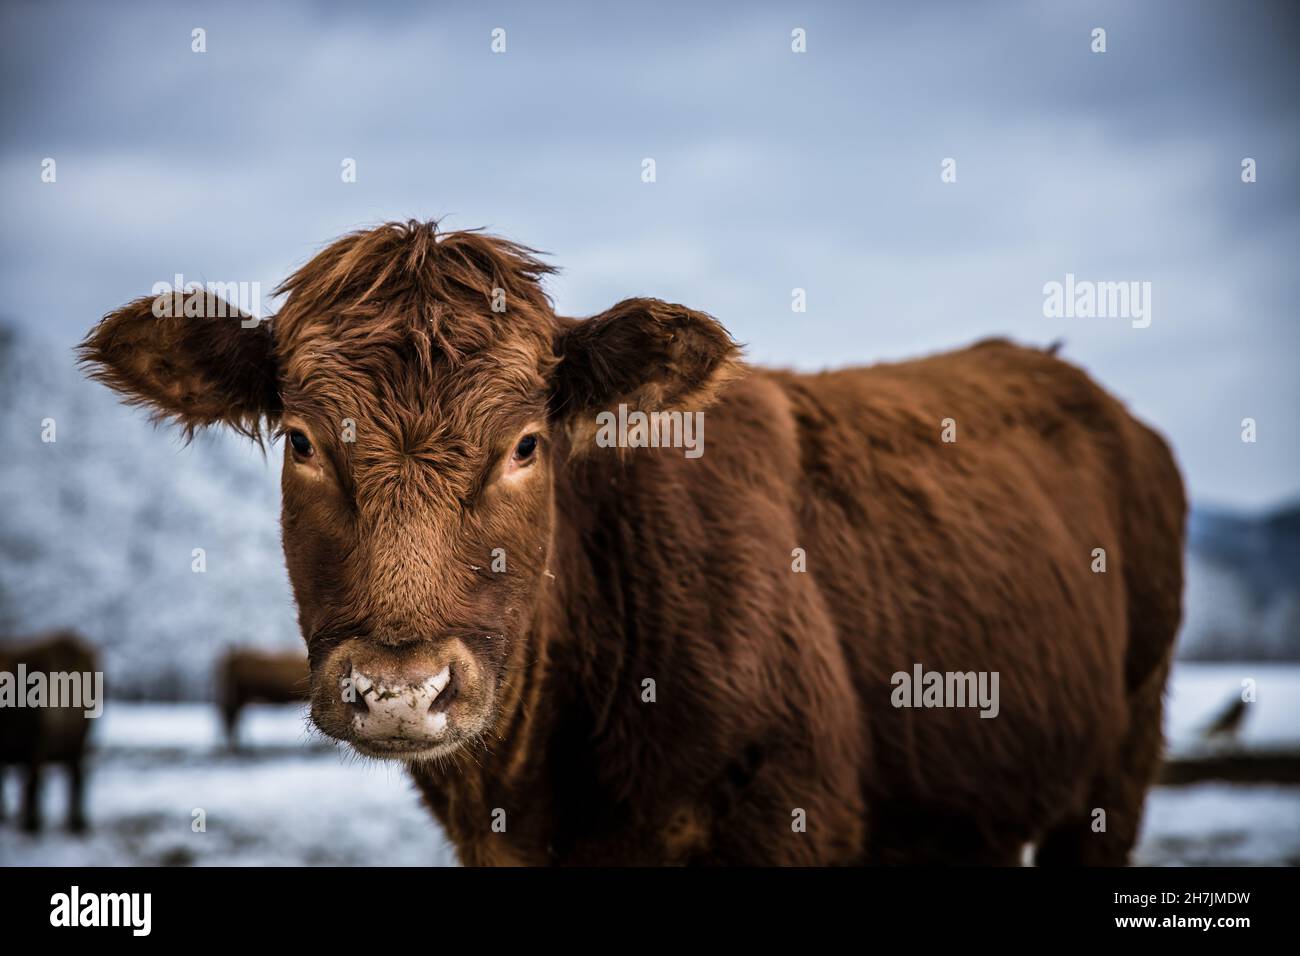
(1213, 824)
(290, 799)
(284, 800)
(1221, 824)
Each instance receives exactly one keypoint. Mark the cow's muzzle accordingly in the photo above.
(407, 702)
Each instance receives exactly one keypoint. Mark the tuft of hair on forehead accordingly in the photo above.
(405, 287)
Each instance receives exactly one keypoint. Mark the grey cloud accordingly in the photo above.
(775, 171)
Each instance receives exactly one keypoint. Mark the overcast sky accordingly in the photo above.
(775, 170)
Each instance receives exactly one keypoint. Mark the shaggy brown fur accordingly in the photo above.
(247, 676)
(771, 736)
(34, 737)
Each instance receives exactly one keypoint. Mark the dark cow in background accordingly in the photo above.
(32, 737)
(592, 654)
(247, 676)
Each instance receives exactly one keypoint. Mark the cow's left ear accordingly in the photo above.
(193, 359)
(645, 353)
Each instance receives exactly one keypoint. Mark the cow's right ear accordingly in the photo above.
(192, 359)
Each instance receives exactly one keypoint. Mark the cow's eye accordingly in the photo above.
(525, 449)
(301, 444)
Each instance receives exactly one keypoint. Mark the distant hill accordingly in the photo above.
(1243, 585)
(98, 528)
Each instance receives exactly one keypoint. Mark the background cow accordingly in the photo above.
(595, 655)
(34, 736)
(247, 676)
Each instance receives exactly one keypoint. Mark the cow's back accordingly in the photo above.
(248, 676)
(977, 553)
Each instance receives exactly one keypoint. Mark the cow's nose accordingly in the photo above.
(399, 713)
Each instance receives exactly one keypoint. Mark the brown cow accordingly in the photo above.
(246, 676)
(33, 736)
(592, 654)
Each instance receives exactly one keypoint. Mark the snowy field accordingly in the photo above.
(1213, 824)
(284, 800)
(289, 800)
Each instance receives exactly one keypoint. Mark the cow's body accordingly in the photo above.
(594, 654)
(773, 687)
(33, 737)
(246, 676)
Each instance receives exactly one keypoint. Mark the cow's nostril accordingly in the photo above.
(437, 687)
(447, 694)
(355, 690)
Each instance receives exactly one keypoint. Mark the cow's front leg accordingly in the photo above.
(32, 798)
(76, 796)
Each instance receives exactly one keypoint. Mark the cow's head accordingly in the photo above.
(426, 393)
